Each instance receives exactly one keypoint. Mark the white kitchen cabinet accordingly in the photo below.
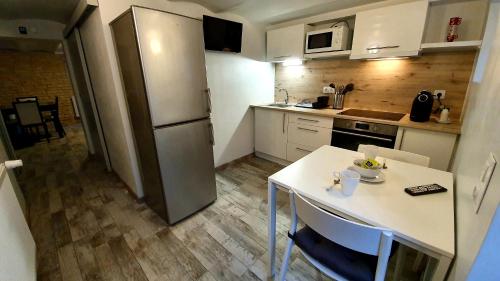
(436, 145)
(271, 132)
(296, 151)
(316, 121)
(286, 43)
(310, 136)
(395, 30)
(307, 133)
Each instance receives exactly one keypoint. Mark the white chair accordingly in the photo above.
(341, 249)
(407, 157)
(29, 117)
(400, 155)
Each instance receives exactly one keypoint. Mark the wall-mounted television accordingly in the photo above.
(222, 35)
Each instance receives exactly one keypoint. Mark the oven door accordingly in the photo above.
(351, 139)
(319, 41)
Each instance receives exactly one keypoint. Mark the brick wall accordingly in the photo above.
(36, 74)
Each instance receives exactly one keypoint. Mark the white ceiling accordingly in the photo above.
(275, 11)
(55, 10)
(258, 11)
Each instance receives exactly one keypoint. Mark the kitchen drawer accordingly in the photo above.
(296, 151)
(305, 119)
(307, 135)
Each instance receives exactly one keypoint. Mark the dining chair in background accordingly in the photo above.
(29, 118)
(400, 155)
(54, 118)
(23, 99)
(341, 249)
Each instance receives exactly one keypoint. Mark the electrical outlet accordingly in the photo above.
(436, 92)
(484, 181)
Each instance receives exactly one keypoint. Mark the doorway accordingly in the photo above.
(84, 94)
(42, 80)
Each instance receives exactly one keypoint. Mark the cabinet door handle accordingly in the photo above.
(305, 129)
(283, 122)
(209, 100)
(212, 139)
(301, 149)
(309, 120)
(383, 47)
(360, 135)
(280, 57)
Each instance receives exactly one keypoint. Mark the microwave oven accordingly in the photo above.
(327, 40)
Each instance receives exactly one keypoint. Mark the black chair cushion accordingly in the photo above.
(348, 263)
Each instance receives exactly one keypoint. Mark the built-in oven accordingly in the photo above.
(349, 134)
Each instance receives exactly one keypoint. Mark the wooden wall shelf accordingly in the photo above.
(450, 46)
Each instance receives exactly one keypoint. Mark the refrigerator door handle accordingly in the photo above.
(212, 139)
(209, 100)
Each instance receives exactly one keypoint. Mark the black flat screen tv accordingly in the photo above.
(222, 35)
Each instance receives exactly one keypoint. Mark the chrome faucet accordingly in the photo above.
(286, 94)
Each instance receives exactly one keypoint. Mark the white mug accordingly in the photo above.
(348, 181)
(371, 151)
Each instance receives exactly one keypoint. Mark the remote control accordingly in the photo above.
(425, 189)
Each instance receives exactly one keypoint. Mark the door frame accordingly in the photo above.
(95, 111)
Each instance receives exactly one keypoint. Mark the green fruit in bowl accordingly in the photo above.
(368, 164)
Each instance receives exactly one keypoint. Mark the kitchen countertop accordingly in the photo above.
(452, 128)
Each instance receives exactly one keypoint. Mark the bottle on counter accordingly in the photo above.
(444, 116)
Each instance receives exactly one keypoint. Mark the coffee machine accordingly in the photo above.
(422, 107)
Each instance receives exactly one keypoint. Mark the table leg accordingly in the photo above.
(440, 266)
(271, 217)
(400, 262)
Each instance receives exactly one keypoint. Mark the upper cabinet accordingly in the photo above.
(286, 43)
(389, 31)
(470, 31)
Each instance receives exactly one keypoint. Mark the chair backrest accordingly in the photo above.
(28, 113)
(355, 236)
(56, 105)
(400, 155)
(23, 99)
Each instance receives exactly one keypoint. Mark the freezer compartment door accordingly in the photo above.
(187, 167)
(173, 59)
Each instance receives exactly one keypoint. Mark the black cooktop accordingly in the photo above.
(392, 116)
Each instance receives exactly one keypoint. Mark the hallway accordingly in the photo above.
(87, 227)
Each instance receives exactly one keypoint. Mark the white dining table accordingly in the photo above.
(425, 223)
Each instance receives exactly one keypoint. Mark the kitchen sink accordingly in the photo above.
(280, 105)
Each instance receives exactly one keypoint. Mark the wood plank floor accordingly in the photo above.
(87, 227)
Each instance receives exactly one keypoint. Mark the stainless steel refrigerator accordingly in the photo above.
(162, 62)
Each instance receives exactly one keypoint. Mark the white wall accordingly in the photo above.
(245, 80)
(480, 136)
(37, 29)
(485, 266)
(235, 83)
(106, 97)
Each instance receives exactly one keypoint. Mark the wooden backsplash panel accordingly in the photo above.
(388, 85)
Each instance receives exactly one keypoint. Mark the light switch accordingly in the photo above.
(484, 180)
